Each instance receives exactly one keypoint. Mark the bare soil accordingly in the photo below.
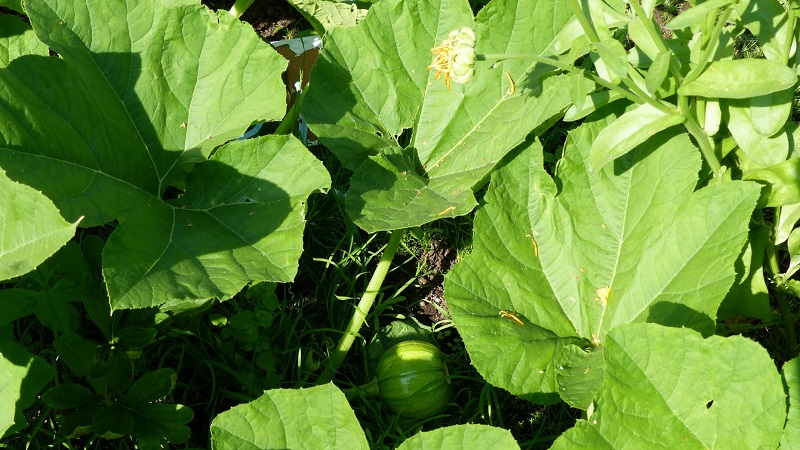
(272, 19)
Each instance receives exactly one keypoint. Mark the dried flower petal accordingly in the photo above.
(455, 57)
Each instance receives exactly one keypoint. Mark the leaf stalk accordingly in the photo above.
(363, 307)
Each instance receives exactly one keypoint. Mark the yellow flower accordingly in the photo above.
(455, 57)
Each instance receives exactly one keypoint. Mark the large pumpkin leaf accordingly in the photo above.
(22, 377)
(670, 388)
(419, 147)
(462, 436)
(143, 91)
(17, 39)
(791, 381)
(579, 255)
(30, 228)
(318, 417)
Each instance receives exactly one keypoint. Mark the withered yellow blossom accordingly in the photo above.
(455, 57)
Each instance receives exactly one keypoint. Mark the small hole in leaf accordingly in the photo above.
(708, 405)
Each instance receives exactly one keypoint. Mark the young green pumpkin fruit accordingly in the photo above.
(412, 378)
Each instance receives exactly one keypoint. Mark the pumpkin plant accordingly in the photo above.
(419, 148)
(128, 128)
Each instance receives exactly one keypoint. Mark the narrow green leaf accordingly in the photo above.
(670, 388)
(658, 72)
(768, 21)
(770, 112)
(155, 422)
(637, 29)
(696, 14)
(789, 216)
(318, 417)
(590, 104)
(483, 437)
(761, 150)
(791, 380)
(629, 130)
(69, 396)
(76, 352)
(782, 181)
(740, 78)
(112, 422)
(614, 56)
(150, 387)
(597, 18)
(793, 246)
(16, 303)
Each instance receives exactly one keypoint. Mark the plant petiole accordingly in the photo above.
(363, 307)
(239, 7)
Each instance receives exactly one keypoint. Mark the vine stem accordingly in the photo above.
(363, 307)
(632, 96)
(774, 270)
(239, 7)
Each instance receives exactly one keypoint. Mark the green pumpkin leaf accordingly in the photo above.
(669, 388)
(31, 226)
(318, 417)
(16, 5)
(579, 255)
(147, 102)
(22, 377)
(18, 39)
(462, 436)
(419, 148)
(791, 381)
(130, 107)
(740, 78)
(749, 295)
(326, 14)
(580, 375)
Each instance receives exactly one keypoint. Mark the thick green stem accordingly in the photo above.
(240, 7)
(584, 21)
(360, 313)
(787, 45)
(773, 269)
(700, 136)
(710, 48)
(563, 66)
(655, 35)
